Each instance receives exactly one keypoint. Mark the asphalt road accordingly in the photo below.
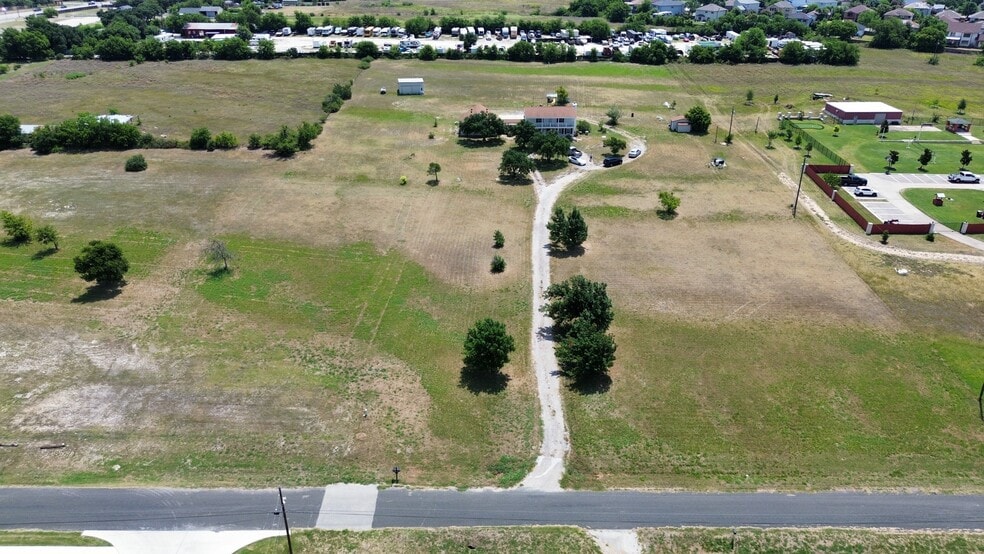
(169, 509)
(81, 509)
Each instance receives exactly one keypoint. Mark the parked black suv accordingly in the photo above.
(612, 161)
(852, 180)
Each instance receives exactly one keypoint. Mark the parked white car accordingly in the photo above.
(635, 153)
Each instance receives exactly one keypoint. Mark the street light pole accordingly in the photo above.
(800, 184)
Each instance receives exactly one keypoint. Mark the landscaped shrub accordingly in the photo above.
(135, 163)
(255, 142)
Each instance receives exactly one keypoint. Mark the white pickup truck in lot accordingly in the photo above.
(963, 177)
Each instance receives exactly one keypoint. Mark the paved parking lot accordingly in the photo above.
(891, 205)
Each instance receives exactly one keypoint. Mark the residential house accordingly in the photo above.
(674, 7)
(920, 8)
(553, 119)
(851, 14)
(207, 30)
(800, 4)
(950, 15)
(807, 19)
(899, 13)
(784, 8)
(210, 12)
(964, 34)
(975, 17)
(710, 12)
(680, 124)
(751, 6)
(821, 4)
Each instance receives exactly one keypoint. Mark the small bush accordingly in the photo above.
(72, 76)
(255, 142)
(403, 180)
(884, 237)
(498, 264)
(430, 135)
(931, 237)
(364, 64)
(4, 69)
(135, 163)
(200, 139)
(225, 141)
(498, 240)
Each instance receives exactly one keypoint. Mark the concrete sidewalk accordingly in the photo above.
(155, 542)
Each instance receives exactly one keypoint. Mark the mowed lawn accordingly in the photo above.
(960, 205)
(860, 146)
(331, 352)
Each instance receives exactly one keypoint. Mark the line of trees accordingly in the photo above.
(582, 312)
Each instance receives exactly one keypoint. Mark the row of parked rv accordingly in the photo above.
(394, 32)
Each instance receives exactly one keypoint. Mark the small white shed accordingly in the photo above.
(410, 85)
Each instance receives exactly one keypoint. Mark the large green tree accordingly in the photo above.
(615, 144)
(585, 352)
(515, 163)
(10, 133)
(550, 146)
(102, 262)
(524, 133)
(487, 346)
(482, 125)
(17, 227)
(578, 299)
(700, 120)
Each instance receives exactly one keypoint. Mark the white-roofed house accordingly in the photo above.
(921, 8)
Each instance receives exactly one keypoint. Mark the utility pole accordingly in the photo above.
(800, 185)
(732, 121)
(283, 510)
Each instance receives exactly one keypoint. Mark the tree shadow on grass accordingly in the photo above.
(598, 384)
(220, 273)
(517, 181)
(433, 182)
(665, 215)
(479, 143)
(12, 243)
(551, 165)
(42, 254)
(563, 253)
(98, 293)
(479, 381)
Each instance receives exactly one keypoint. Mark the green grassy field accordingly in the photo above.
(479, 539)
(960, 205)
(859, 146)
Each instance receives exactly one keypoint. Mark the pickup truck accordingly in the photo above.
(852, 180)
(963, 177)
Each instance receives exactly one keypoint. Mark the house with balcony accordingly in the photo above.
(553, 119)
